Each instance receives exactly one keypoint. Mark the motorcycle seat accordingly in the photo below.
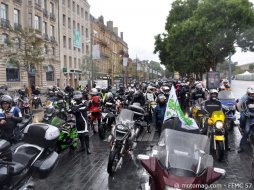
(16, 168)
(25, 156)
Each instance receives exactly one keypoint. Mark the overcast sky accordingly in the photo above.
(140, 21)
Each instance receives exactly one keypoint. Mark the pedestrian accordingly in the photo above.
(159, 112)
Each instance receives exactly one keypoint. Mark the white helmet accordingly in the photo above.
(199, 86)
(98, 88)
(165, 89)
(150, 89)
(214, 94)
(250, 92)
(94, 91)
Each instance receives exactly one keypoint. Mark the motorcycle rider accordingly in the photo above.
(79, 109)
(159, 112)
(104, 92)
(95, 102)
(248, 99)
(197, 93)
(213, 104)
(225, 85)
(138, 97)
(10, 116)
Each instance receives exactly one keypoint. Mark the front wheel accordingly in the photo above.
(112, 162)
(102, 131)
(219, 152)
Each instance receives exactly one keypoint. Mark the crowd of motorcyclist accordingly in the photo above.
(152, 96)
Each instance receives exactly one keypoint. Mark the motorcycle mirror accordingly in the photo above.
(143, 157)
(220, 170)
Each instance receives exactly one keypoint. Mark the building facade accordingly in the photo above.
(40, 18)
(74, 38)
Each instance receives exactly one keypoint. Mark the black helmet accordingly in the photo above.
(78, 97)
(60, 94)
(6, 98)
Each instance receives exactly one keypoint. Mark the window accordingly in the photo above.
(78, 9)
(30, 20)
(86, 16)
(63, 2)
(74, 25)
(73, 6)
(70, 62)
(75, 63)
(65, 61)
(52, 30)
(69, 22)
(52, 8)
(12, 71)
(64, 41)
(45, 4)
(69, 3)
(45, 49)
(64, 20)
(36, 22)
(79, 64)
(44, 28)
(16, 16)
(83, 48)
(78, 27)
(50, 73)
(3, 11)
(70, 43)
(38, 2)
(17, 43)
(82, 30)
(87, 33)
(53, 51)
(82, 12)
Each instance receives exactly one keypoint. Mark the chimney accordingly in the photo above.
(116, 30)
(121, 33)
(110, 25)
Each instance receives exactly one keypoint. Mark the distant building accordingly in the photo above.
(245, 67)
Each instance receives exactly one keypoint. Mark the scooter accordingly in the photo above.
(180, 161)
(34, 157)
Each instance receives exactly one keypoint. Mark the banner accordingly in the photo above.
(96, 52)
(76, 39)
(213, 80)
(174, 110)
(125, 61)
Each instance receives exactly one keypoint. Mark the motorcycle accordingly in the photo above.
(180, 161)
(34, 157)
(68, 132)
(25, 107)
(196, 111)
(107, 119)
(121, 140)
(49, 111)
(36, 101)
(215, 131)
(227, 100)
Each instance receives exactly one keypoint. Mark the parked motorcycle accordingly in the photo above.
(25, 107)
(49, 111)
(180, 161)
(107, 119)
(36, 101)
(34, 157)
(227, 100)
(121, 140)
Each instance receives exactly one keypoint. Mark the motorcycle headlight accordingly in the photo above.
(219, 125)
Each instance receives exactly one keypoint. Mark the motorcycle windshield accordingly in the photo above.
(226, 95)
(125, 116)
(182, 152)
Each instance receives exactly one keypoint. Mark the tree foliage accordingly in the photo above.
(200, 34)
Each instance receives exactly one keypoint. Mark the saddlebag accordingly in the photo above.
(42, 168)
(5, 151)
(138, 111)
(40, 134)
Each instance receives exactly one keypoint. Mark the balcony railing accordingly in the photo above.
(5, 23)
(17, 27)
(52, 17)
(18, 1)
(45, 13)
(37, 31)
(46, 37)
(37, 6)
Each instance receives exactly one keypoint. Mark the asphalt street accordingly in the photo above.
(89, 172)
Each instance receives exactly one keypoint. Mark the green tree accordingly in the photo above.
(201, 34)
(251, 67)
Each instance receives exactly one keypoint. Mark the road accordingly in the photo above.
(88, 172)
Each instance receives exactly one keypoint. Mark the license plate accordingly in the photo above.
(219, 138)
